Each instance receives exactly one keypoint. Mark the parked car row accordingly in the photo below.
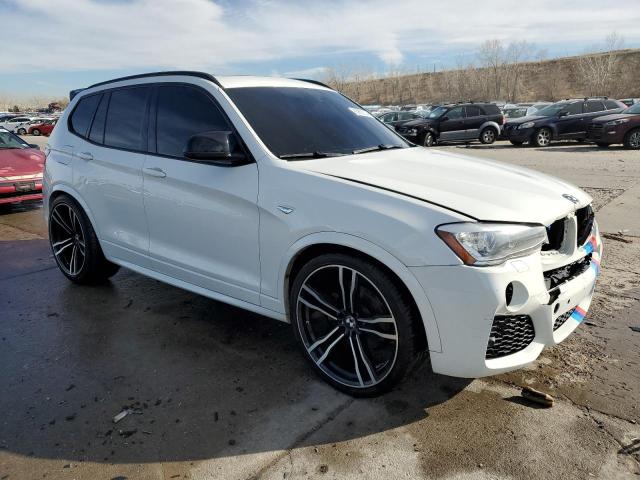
(27, 125)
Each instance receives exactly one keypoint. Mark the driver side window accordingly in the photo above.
(574, 108)
(455, 113)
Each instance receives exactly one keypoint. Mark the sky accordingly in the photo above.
(51, 46)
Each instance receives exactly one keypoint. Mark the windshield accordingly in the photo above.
(632, 110)
(295, 121)
(9, 140)
(551, 110)
(437, 112)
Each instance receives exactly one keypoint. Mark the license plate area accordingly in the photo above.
(25, 186)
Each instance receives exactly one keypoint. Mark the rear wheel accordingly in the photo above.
(21, 131)
(488, 136)
(429, 139)
(632, 139)
(515, 143)
(353, 323)
(75, 245)
(542, 137)
(35, 132)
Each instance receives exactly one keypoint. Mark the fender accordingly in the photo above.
(69, 190)
(380, 254)
(490, 123)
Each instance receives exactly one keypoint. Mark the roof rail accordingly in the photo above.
(206, 76)
(316, 82)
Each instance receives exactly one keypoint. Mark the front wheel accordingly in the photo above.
(21, 131)
(75, 245)
(429, 140)
(353, 323)
(35, 132)
(542, 137)
(488, 136)
(632, 139)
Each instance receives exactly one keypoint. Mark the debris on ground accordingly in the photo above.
(635, 328)
(537, 396)
(618, 237)
(121, 415)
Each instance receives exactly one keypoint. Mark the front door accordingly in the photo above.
(571, 124)
(452, 127)
(203, 219)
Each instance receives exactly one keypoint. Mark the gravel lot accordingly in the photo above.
(223, 393)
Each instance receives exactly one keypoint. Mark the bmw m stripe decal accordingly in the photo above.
(578, 314)
(595, 264)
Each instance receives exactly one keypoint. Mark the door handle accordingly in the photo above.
(154, 172)
(86, 156)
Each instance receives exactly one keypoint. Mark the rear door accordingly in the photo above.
(571, 125)
(452, 128)
(203, 218)
(107, 170)
(474, 118)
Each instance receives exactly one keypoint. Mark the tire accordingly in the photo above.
(21, 131)
(603, 145)
(429, 140)
(541, 137)
(488, 135)
(74, 244)
(515, 143)
(35, 132)
(328, 320)
(632, 139)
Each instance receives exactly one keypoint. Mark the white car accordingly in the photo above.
(23, 128)
(285, 198)
(12, 122)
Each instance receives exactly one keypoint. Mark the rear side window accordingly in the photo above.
(125, 118)
(473, 111)
(83, 114)
(594, 107)
(611, 105)
(182, 113)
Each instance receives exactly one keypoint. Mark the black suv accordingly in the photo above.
(461, 122)
(565, 120)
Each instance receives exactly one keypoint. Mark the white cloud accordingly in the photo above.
(142, 34)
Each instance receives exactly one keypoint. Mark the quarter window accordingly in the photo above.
(83, 114)
(125, 118)
(611, 105)
(182, 113)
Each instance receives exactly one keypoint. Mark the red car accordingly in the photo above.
(43, 128)
(621, 128)
(21, 168)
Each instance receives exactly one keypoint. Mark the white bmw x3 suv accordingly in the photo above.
(285, 198)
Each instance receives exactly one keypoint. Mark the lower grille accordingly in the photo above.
(509, 334)
(558, 276)
(561, 319)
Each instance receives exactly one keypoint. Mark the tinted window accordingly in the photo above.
(594, 107)
(473, 111)
(97, 129)
(611, 105)
(292, 120)
(182, 113)
(83, 114)
(125, 118)
(455, 113)
(574, 108)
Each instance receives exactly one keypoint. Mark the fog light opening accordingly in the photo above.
(516, 296)
(508, 293)
(556, 308)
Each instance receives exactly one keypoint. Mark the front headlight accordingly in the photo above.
(617, 122)
(412, 131)
(482, 244)
(526, 125)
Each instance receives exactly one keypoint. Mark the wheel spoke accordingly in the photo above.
(388, 336)
(329, 348)
(63, 246)
(355, 361)
(352, 290)
(323, 339)
(377, 320)
(55, 215)
(343, 294)
(365, 360)
(72, 262)
(315, 295)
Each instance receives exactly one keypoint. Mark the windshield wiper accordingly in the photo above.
(376, 148)
(303, 155)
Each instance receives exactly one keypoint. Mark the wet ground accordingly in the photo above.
(217, 392)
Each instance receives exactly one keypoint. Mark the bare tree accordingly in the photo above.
(598, 70)
(492, 56)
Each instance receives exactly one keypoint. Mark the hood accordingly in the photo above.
(19, 162)
(615, 116)
(480, 189)
(528, 118)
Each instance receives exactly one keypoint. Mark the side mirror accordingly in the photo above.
(34, 145)
(217, 147)
(563, 113)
